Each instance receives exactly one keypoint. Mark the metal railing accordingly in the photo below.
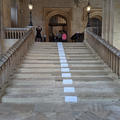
(15, 33)
(107, 52)
(13, 57)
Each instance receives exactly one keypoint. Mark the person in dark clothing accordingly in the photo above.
(38, 35)
(78, 37)
(51, 37)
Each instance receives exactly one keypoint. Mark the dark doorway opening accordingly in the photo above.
(57, 25)
(97, 25)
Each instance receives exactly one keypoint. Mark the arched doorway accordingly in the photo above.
(97, 24)
(60, 14)
(57, 25)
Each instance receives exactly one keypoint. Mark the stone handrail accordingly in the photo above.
(107, 52)
(15, 33)
(13, 57)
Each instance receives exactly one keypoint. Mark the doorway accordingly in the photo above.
(57, 26)
(97, 25)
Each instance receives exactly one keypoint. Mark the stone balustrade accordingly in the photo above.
(13, 57)
(15, 33)
(107, 52)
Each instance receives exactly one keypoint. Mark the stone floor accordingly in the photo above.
(44, 111)
(62, 82)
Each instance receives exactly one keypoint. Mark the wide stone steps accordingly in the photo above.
(40, 77)
(76, 78)
(53, 83)
(55, 61)
(37, 99)
(54, 55)
(74, 73)
(58, 65)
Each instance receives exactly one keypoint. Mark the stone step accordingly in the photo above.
(58, 65)
(58, 62)
(60, 79)
(68, 55)
(79, 92)
(56, 47)
(72, 68)
(73, 44)
(32, 100)
(54, 72)
(60, 49)
(57, 76)
(57, 58)
(56, 52)
(36, 99)
(59, 71)
(82, 93)
(53, 83)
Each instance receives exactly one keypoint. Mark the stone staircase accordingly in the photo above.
(43, 77)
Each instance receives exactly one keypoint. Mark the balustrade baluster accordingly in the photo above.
(15, 54)
(109, 53)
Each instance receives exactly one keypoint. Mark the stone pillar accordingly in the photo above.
(116, 25)
(78, 13)
(107, 23)
(111, 22)
(76, 20)
(6, 13)
(1, 26)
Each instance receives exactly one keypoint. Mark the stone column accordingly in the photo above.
(76, 20)
(116, 25)
(1, 26)
(107, 26)
(111, 22)
(78, 14)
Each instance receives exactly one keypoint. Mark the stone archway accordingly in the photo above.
(97, 15)
(61, 12)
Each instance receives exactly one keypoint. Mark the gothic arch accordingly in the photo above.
(57, 12)
(97, 14)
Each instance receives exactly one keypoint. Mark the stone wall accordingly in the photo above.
(38, 12)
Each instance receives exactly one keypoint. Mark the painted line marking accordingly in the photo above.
(65, 70)
(62, 55)
(61, 52)
(64, 65)
(69, 89)
(71, 99)
(67, 81)
(63, 61)
(66, 75)
(62, 58)
(60, 48)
